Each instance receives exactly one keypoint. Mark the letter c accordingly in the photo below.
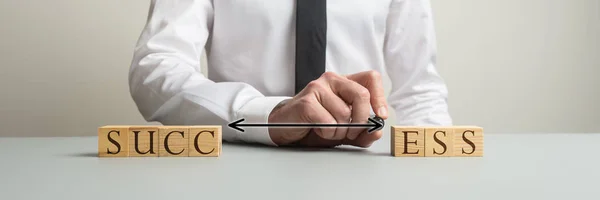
(167, 142)
(196, 142)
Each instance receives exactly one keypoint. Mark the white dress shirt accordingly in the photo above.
(250, 48)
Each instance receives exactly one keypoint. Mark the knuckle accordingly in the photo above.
(374, 75)
(345, 113)
(329, 75)
(363, 93)
(315, 85)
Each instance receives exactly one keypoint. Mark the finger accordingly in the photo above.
(373, 82)
(288, 135)
(338, 109)
(355, 95)
(315, 113)
(314, 140)
(358, 97)
(365, 140)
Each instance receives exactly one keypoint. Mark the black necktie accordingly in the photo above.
(311, 40)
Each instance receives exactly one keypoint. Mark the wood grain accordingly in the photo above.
(439, 141)
(113, 141)
(205, 141)
(143, 141)
(408, 141)
(468, 141)
(173, 141)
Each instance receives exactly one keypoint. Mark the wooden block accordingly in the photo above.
(468, 141)
(408, 141)
(113, 141)
(393, 141)
(439, 141)
(143, 141)
(173, 141)
(205, 141)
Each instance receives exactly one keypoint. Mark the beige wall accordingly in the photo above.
(522, 65)
(511, 65)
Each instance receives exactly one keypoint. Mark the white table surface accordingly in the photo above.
(515, 166)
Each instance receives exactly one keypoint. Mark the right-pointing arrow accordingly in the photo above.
(376, 124)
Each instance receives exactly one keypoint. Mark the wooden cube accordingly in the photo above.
(205, 141)
(468, 141)
(143, 141)
(173, 141)
(408, 141)
(439, 141)
(113, 141)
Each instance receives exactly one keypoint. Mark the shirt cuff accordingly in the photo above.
(257, 111)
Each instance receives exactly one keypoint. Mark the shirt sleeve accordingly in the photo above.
(166, 82)
(418, 94)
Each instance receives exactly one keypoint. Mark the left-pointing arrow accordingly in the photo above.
(376, 124)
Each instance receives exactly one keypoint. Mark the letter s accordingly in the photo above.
(111, 140)
(468, 142)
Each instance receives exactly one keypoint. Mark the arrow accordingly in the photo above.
(376, 124)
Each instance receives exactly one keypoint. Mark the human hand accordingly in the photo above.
(331, 99)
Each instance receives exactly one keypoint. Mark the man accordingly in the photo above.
(291, 61)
